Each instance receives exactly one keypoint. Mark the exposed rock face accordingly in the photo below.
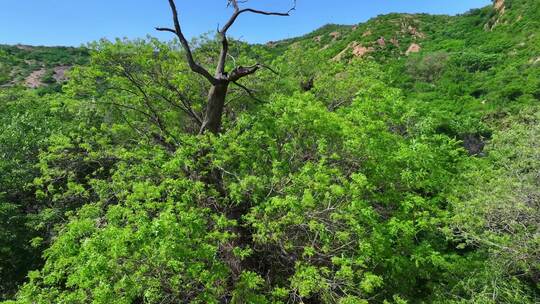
(381, 42)
(33, 81)
(395, 42)
(366, 33)
(360, 51)
(499, 6)
(335, 35)
(357, 50)
(417, 34)
(60, 73)
(317, 39)
(413, 48)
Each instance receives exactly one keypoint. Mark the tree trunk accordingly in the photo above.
(212, 123)
(214, 108)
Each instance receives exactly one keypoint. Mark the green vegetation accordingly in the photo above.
(18, 62)
(361, 173)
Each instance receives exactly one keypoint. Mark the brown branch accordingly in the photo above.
(195, 67)
(220, 70)
(248, 91)
(128, 107)
(223, 32)
(185, 107)
(238, 12)
(269, 68)
(241, 71)
(156, 118)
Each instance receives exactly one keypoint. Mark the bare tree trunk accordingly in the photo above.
(220, 82)
(214, 108)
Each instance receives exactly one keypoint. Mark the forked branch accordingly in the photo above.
(223, 31)
(195, 67)
(237, 12)
(220, 74)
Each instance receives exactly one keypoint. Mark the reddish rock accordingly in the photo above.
(499, 5)
(33, 81)
(361, 51)
(381, 42)
(413, 48)
(60, 73)
(413, 31)
(356, 49)
(335, 35)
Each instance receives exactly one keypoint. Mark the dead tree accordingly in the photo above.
(221, 79)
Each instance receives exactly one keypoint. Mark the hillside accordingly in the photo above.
(477, 65)
(393, 161)
(38, 67)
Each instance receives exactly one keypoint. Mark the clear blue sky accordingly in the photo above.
(75, 22)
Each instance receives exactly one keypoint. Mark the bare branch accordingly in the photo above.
(165, 29)
(223, 32)
(269, 68)
(248, 91)
(186, 105)
(238, 12)
(241, 71)
(220, 70)
(195, 67)
(128, 107)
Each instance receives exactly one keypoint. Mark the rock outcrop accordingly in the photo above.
(33, 80)
(360, 51)
(354, 48)
(413, 48)
(499, 6)
(60, 73)
(500, 9)
(335, 35)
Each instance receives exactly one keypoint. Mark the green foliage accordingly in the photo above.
(48, 77)
(496, 210)
(476, 62)
(26, 121)
(335, 190)
(18, 62)
(342, 180)
(427, 68)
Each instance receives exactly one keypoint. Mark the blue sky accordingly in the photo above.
(75, 22)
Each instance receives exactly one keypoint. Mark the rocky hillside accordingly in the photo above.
(36, 66)
(487, 59)
(393, 36)
(389, 162)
